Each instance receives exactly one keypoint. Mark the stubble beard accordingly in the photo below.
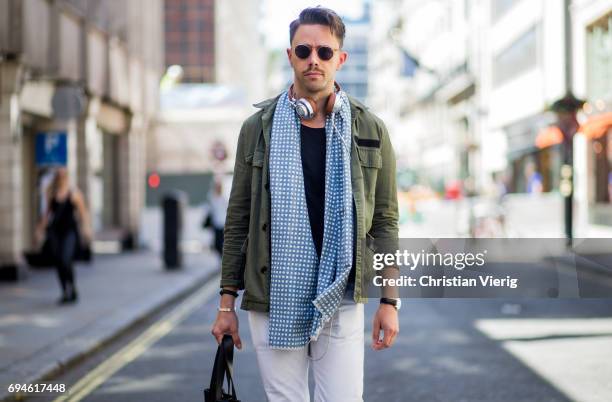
(314, 88)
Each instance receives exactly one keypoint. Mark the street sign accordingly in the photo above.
(68, 102)
(51, 148)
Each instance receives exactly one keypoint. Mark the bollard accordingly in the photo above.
(173, 208)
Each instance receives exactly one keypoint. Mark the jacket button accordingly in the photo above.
(263, 269)
(263, 227)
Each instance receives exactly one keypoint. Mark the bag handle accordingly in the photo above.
(228, 350)
(223, 368)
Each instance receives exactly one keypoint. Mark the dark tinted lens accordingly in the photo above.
(302, 51)
(325, 53)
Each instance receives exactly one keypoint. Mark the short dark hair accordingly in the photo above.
(319, 16)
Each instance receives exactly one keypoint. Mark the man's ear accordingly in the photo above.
(342, 59)
(289, 55)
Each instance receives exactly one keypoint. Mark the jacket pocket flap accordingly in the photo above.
(255, 159)
(370, 157)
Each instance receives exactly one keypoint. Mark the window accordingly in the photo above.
(500, 7)
(599, 58)
(517, 58)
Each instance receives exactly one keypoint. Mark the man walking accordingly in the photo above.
(314, 174)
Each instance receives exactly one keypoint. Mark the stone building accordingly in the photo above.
(79, 86)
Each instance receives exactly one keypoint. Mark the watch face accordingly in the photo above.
(399, 303)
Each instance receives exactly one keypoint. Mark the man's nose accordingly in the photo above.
(313, 59)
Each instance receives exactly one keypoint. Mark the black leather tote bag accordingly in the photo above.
(222, 369)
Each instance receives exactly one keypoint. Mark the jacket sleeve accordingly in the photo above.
(386, 215)
(237, 219)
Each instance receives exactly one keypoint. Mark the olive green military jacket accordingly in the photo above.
(246, 249)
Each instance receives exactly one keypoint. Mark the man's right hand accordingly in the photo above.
(226, 323)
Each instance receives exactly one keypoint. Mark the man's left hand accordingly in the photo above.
(385, 320)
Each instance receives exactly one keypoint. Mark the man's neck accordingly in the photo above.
(316, 122)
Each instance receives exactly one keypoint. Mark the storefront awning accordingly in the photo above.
(548, 137)
(596, 126)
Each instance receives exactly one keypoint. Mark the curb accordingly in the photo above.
(583, 263)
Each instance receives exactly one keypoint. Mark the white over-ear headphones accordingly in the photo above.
(306, 108)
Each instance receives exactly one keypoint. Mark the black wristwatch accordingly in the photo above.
(397, 303)
(228, 292)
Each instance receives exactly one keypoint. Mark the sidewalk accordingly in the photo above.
(526, 216)
(38, 337)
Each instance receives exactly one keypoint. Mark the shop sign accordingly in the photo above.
(51, 148)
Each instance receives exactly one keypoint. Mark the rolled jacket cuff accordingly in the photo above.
(232, 270)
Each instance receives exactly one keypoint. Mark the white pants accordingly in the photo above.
(337, 361)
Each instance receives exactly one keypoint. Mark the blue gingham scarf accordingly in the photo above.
(305, 292)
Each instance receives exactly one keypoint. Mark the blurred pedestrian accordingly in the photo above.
(217, 202)
(534, 178)
(66, 224)
(501, 184)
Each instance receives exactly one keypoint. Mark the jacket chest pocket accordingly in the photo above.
(371, 162)
(256, 160)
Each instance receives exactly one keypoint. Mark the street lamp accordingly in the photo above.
(565, 112)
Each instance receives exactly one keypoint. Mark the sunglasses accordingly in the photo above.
(324, 52)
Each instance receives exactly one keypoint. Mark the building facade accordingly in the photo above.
(484, 75)
(190, 38)
(241, 58)
(433, 96)
(527, 61)
(592, 78)
(79, 85)
(193, 144)
(353, 77)
(196, 134)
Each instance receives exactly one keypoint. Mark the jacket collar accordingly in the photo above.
(269, 105)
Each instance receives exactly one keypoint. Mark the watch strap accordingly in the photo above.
(386, 300)
(228, 292)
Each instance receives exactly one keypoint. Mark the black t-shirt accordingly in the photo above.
(313, 150)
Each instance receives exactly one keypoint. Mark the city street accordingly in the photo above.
(150, 147)
(448, 350)
(39, 338)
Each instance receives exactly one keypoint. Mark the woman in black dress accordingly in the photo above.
(66, 219)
